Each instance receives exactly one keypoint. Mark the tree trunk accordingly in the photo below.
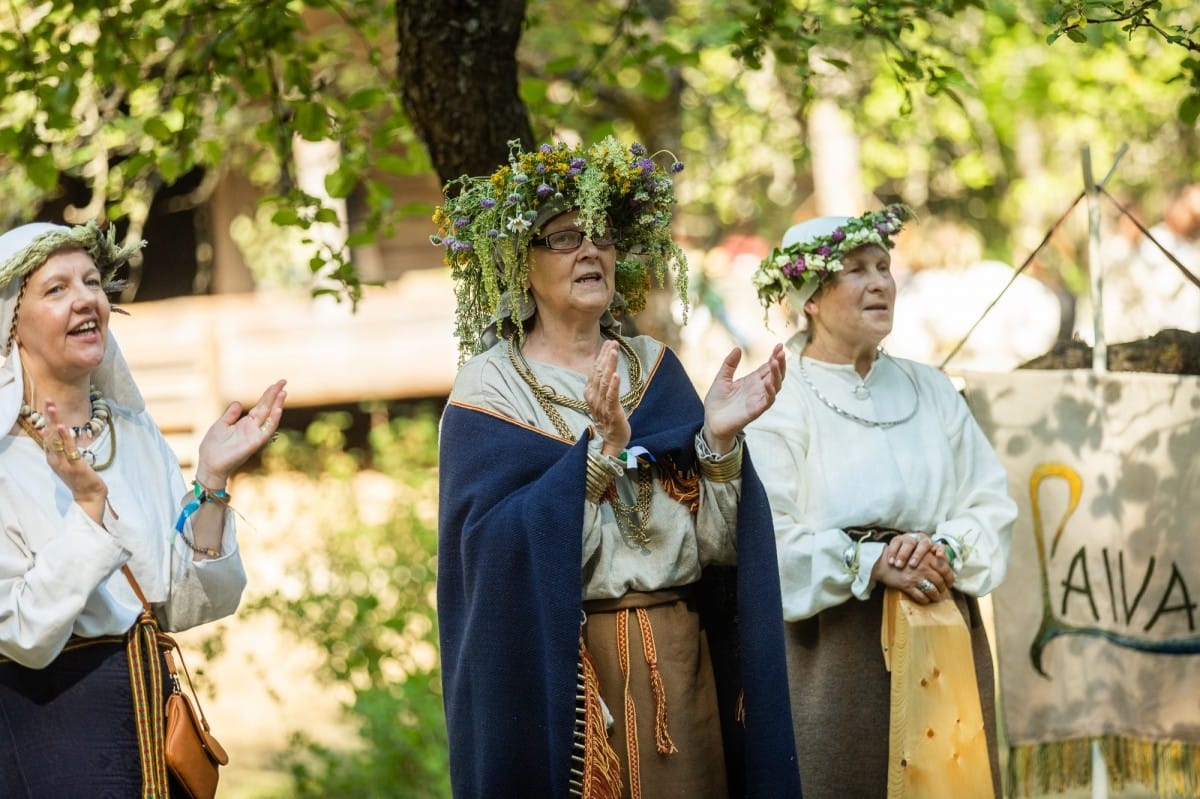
(457, 66)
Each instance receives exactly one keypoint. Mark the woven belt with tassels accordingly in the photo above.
(149, 709)
(662, 738)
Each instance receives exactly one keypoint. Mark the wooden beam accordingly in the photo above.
(938, 745)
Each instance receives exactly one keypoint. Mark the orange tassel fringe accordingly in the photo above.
(601, 768)
(662, 737)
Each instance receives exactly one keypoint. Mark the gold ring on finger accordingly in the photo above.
(57, 445)
(73, 455)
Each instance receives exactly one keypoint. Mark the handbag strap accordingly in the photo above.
(137, 589)
(168, 645)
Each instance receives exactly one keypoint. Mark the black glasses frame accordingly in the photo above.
(557, 240)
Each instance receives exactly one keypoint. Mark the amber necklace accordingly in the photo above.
(632, 519)
(33, 423)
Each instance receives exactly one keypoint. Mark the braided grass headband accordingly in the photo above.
(24, 249)
(487, 223)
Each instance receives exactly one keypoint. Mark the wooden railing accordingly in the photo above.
(191, 356)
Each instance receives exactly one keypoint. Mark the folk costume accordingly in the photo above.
(67, 710)
(515, 566)
(847, 462)
(610, 626)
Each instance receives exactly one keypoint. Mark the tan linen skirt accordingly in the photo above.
(676, 744)
(841, 697)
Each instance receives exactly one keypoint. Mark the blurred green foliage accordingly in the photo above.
(968, 110)
(365, 601)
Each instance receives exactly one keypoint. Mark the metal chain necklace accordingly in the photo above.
(840, 411)
(547, 397)
(631, 519)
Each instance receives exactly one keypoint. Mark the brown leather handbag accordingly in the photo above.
(193, 754)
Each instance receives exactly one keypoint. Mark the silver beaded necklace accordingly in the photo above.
(840, 411)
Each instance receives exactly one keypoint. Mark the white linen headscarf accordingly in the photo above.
(803, 232)
(17, 257)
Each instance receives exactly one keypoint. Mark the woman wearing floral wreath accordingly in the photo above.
(877, 476)
(593, 508)
(88, 488)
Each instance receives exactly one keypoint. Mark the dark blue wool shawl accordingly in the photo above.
(510, 592)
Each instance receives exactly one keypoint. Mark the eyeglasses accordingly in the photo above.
(563, 240)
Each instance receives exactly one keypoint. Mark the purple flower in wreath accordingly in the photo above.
(677, 166)
(837, 236)
(544, 190)
(462, 221)
(486, 203)
(546, 149)
(794, 268)
(825, 250)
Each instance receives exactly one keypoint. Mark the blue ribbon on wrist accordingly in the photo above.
(202, 495)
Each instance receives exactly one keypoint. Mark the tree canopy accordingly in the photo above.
(960, 106)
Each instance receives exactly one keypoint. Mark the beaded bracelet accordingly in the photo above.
(202, 495)
(209, 551)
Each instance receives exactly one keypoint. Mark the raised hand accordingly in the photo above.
(234, 437)
(87, 487)
(731, 404)
(603, 396)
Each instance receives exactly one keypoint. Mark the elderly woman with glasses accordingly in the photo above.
(600, 527)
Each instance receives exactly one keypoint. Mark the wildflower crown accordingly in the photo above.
(796, 270)
(486, 224)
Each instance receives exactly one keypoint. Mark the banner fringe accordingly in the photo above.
(1171, 768)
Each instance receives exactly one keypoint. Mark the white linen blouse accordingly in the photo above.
(935, 473)
(60, 571)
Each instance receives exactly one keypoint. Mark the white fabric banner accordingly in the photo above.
(1096, 623)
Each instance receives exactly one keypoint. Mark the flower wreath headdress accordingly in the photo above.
(486, 225)
(812, 252)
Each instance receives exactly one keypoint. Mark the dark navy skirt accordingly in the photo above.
(67, 731)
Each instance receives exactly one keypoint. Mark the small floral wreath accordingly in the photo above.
(815, 259)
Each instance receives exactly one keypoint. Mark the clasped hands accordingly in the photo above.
(916, 565)
(729, 406)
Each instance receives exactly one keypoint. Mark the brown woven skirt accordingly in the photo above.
(676, 747)
(841, 697)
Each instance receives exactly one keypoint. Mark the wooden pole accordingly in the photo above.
(1099, 360)
(1095, 268)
